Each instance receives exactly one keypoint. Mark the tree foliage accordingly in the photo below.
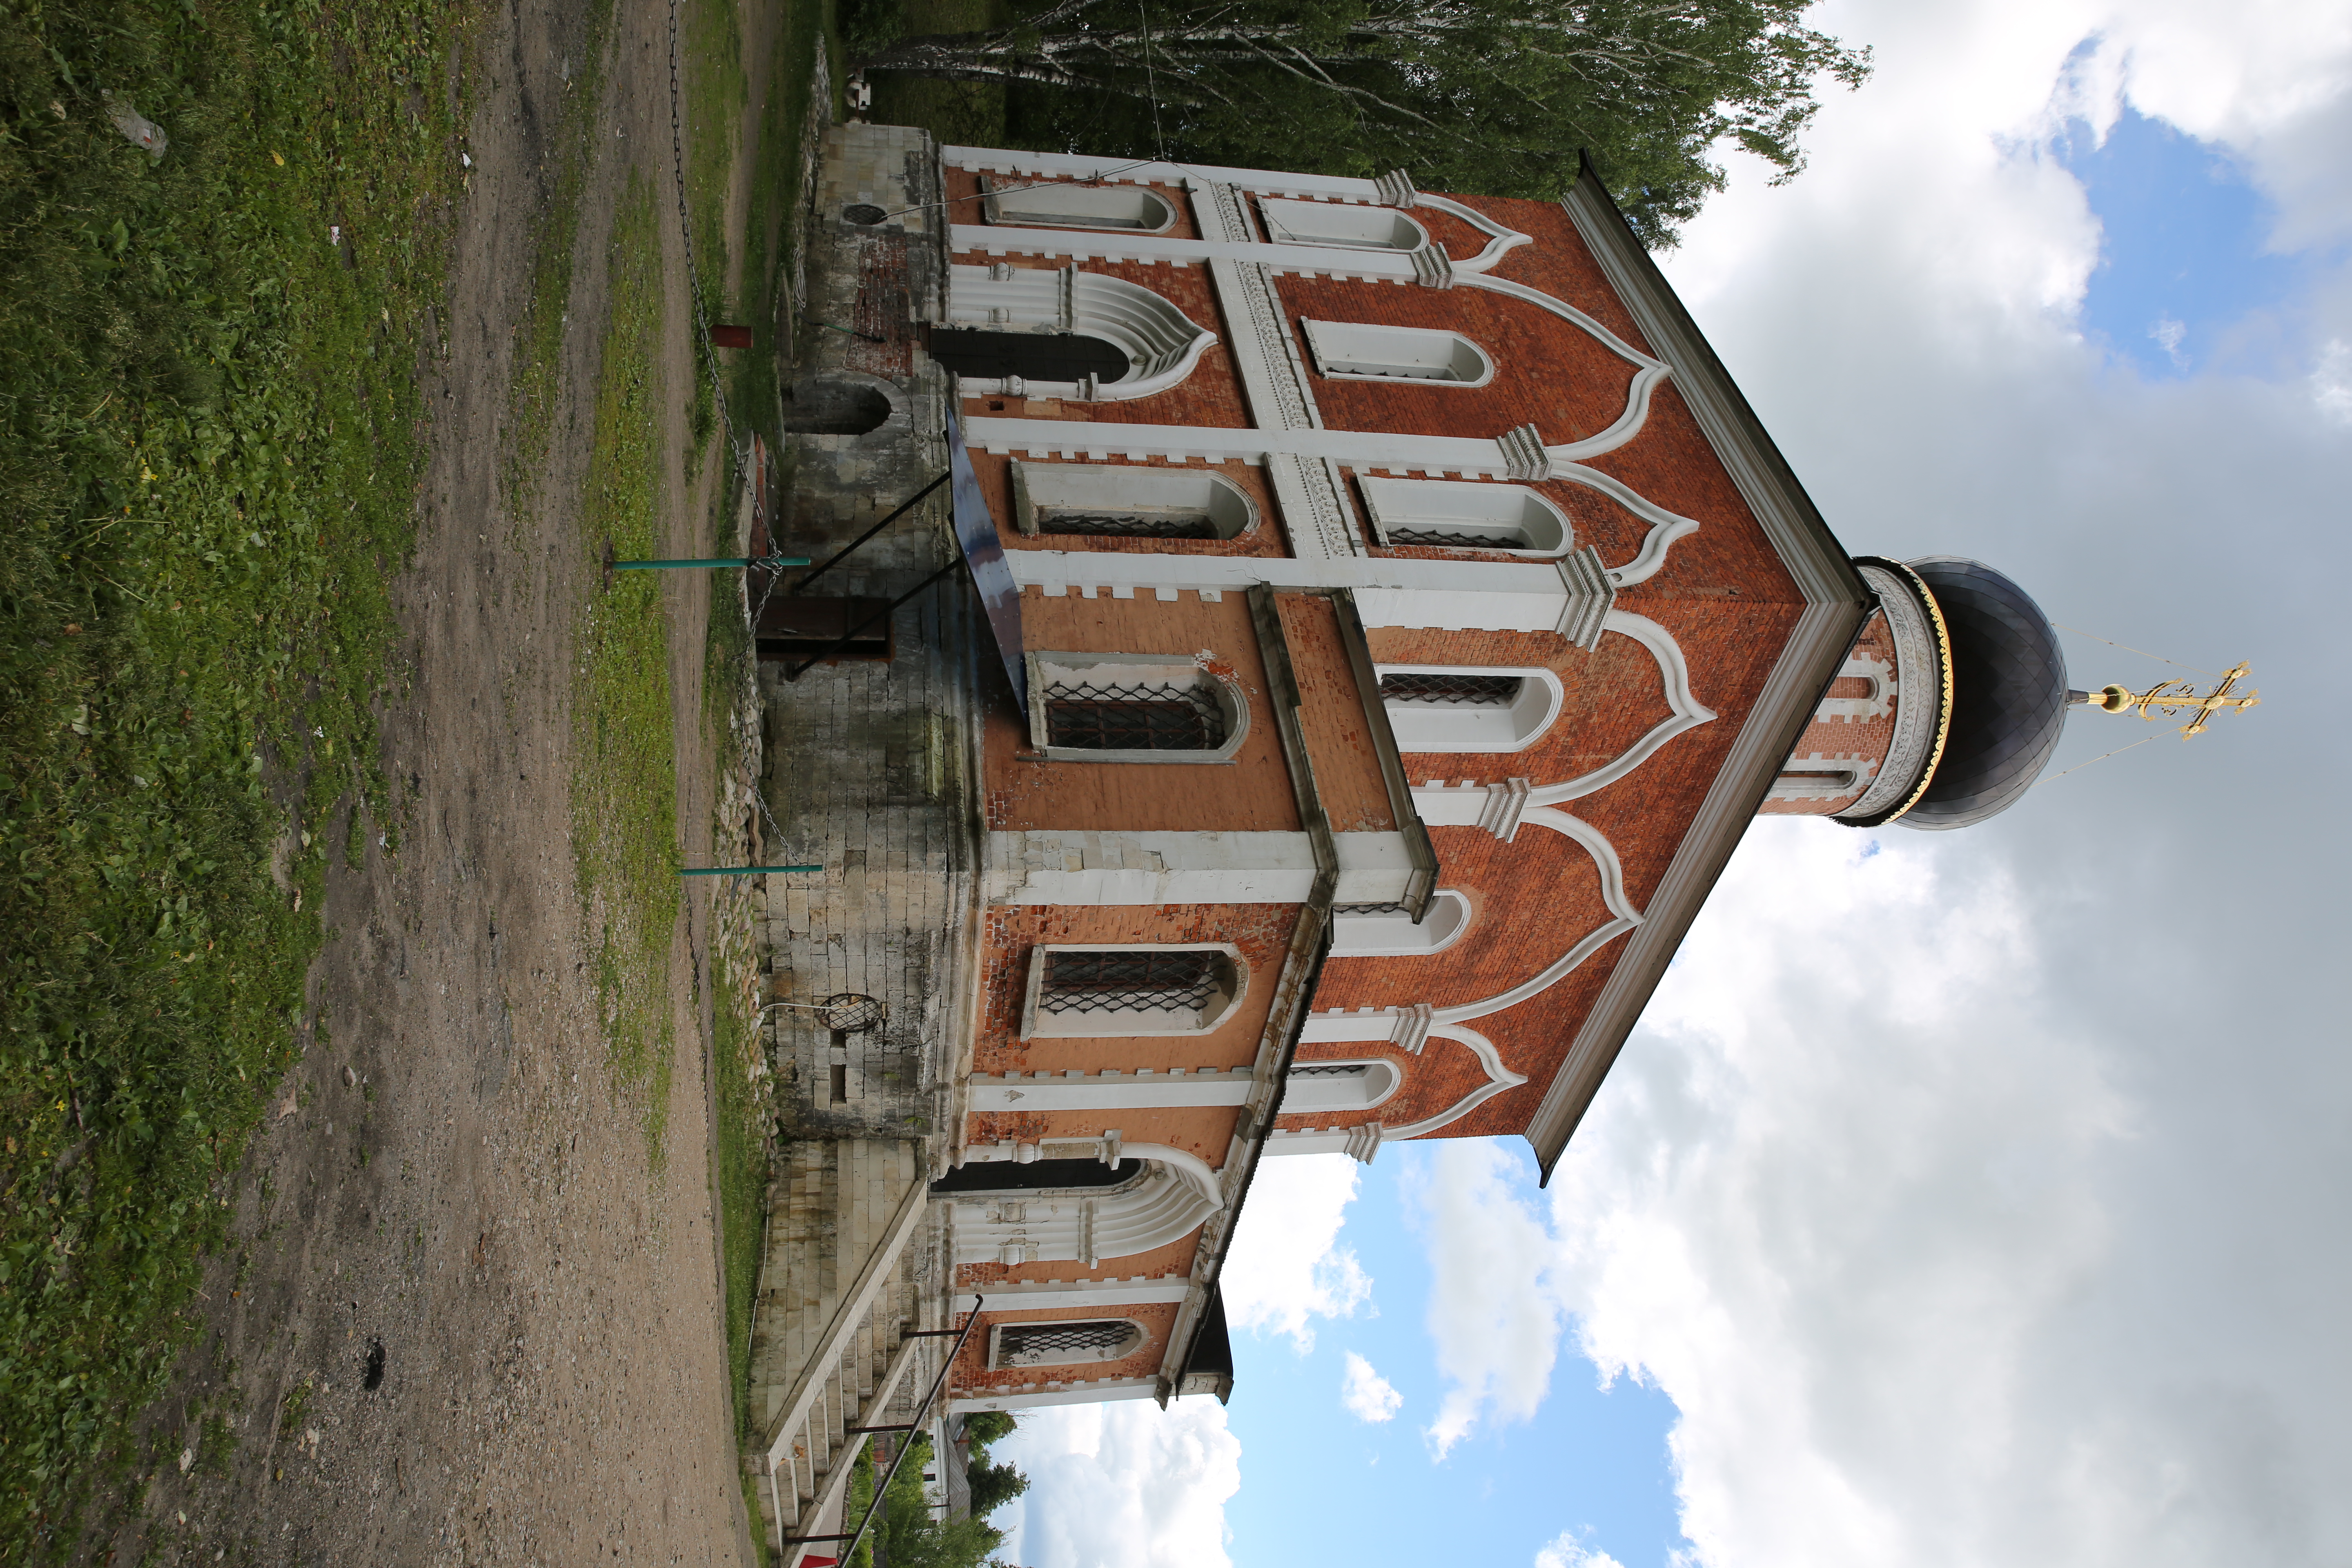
(1492, 96)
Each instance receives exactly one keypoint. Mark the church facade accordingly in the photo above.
(1401, 616)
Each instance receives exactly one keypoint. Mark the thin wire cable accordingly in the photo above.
(2128, 648)
(1151, 82)
(2103, 756)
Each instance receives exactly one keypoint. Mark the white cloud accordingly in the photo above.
(1126, 1485)
(1871, 1204)
(1564, 1550)
(1494, 1312)
(1366, 1395)
(1287, 1267)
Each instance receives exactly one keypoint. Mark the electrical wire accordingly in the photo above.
(2103, 756)
(2128, 648)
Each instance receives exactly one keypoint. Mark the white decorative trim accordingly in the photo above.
(1442, 729)
(1395, 934)
(1348, 351)
(1375, 1024)
(1061, 1295)
(1502, 239)
(1038, 1022)
(1163, 344)
(1141, 1090)
(1685, 712)
(1097, 1393)
(1412, 1032)
(1665, 527)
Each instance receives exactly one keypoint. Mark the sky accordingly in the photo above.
(1966, 1198)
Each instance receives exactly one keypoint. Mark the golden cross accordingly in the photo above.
(2175, 698)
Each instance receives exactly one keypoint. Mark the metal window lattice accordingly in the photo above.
(1387, 909)
(1450, 539)
(1330, 1070)
(1458, 691)
(1146, 980)
(1019, 1342)
(1130, 525)
(1145, 717)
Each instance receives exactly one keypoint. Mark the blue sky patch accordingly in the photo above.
(1319, 1486)
(2182, 284)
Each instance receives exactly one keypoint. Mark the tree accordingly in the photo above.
(1493, 96)
(992, 1484)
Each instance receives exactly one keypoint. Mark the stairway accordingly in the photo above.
(840, 1286)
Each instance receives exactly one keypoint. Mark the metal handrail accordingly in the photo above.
(882, 1488)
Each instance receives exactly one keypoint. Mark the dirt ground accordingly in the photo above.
(449, 1180)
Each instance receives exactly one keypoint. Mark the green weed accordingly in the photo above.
(624, 787)
(209, 437)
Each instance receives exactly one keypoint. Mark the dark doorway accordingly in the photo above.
(1039, 1175)
(833, 408)
(795, 628)
(1031, 356)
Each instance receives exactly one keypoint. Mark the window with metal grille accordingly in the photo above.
(1458, 539)
(1128, 524)
(1047, 1344)
(1160, 979)
(1387, 909)
(1452, 689)
(1332, 1069)
(1144, 717)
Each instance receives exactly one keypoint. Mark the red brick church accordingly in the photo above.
(1401, 616)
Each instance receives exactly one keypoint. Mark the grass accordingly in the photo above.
(624, 784)
(773, 236)
(209, 437)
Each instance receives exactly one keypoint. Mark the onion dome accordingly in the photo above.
(2007, 694)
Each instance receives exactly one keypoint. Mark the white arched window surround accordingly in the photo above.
(1319, 1088)
(1042, 492)
(1031, 204)
(1050, 673)
(1016, 1344)
(1348, 224)
(1161, 344)
(1451, 514)
(1039, 1018)
(1390, 932)
(1364, 351)
(1445, 727)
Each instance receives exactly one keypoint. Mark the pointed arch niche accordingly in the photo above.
(996, 313)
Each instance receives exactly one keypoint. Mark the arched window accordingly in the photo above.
(1128, 502)
(1320, 1088)
(1818, 777)
(1156, 345)
(1358, 351)
(1440, 707)
(1063, 1342)
(1112, 992)
(1463, 516)
(1388, 930)
(1129, 708)
(1334, 223)
(1078, 206)
(981, 355)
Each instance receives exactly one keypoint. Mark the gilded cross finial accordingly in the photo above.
(2176, 698)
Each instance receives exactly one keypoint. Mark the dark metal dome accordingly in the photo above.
(2009, 694)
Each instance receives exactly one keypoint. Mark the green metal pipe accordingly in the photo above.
(710, 561)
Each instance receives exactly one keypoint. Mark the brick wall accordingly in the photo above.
(1251, 792)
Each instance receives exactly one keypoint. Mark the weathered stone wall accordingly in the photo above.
(869, 767)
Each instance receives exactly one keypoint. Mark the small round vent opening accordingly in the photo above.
(865, 214)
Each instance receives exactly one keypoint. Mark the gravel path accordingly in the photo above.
(477, 1325)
